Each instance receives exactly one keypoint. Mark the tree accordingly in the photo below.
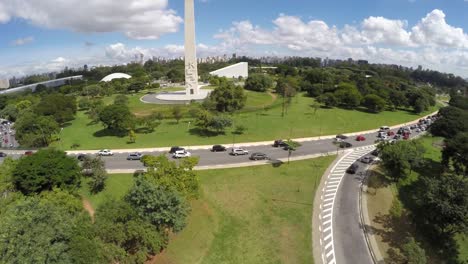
(93, 90)
(258, 82)
(84, 103)
(163, 208)
(413, 253)
(239, 130)
(22, 105)
(398, 99)
(126, 236)
(455, 153)
(452, 121)
(400, 158)
(220, 123)
(117, 117)
(172, 176)
(121, 99)
(177, 113)
(175, 75)
(132, 136)
(35, 131)
(6, 176)
(136, 86)
(45, 170)
(374, 103)
(62, 108)
(228, 97)
(10, 112)
(96, 170)
(348, 96)
(43, 229)
(291, 146)
(328, 99)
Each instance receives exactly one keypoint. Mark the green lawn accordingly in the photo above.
(300, 121)
(246, 215)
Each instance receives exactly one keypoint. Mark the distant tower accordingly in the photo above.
(191, 71)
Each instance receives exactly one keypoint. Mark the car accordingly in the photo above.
(366, 160)
(375, 152)
(360, 138)
(345, 144)
(279, 143)
(340, 136)
(258, 156)
(134, 156)
(390, 133)
(406, 136)
(5, 122)
(238, 151)
(397, 136)
(181, 154)
(174, 149)
(81, 156)
(384, 128)
(2, 154)
(352, 169)
(218, 148)
(105, 152)
(28, 153)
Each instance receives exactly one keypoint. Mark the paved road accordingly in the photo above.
(348, 233)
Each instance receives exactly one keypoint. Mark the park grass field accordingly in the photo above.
(301, 120)
(255, 215)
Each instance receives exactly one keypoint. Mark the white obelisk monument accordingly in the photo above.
(191, 72)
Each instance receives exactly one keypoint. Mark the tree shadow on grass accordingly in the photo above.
(110, 133)
(144, 130)
(204, 133)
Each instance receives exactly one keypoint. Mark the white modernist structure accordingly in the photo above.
(117, 75)
(4, 83)
(191, 71)
(240, 69)
(48, 84)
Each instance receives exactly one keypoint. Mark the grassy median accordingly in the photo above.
(247, 215)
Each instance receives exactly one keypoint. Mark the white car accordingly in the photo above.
(105, 152)
(239, 151)
(181, 154)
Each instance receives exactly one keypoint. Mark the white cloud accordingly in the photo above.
(434, 30)
(22, 41)
(138, 19)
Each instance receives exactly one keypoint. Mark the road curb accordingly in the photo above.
(364, 215)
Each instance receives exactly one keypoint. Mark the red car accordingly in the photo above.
(406, 136)
(390, 133)
(28, 153)
(360, 138)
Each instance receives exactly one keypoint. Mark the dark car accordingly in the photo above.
(345, 144)
(352, 169)
(28, 153)
(134, 156)
(375, 152)
(258, 156)
(81, 157)
(2, 154)
(5, 122)
(174, 149)
(340, 136)
(218, 148)
(279, 143)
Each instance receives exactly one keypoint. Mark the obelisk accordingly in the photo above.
(191, 72)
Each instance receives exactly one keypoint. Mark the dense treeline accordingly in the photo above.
(43, 220)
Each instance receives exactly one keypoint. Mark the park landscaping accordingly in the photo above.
(390, 215)
(246, 215)
(265, 121)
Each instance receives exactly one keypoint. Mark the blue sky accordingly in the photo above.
(37, 36)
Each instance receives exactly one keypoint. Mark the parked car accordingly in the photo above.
(134, 156)
(258, 156)
(239, 151)
(360, 138)
(105, 152)
(217, 148)
(181, 154)
(367, 160)
(340, 136)
(375, 152)
(406, 136)
(174, 149)
(28, 153)
(384, 128)
(352, 169)
(81, 156)
(2, 154)
(279, 143)
(390, 133)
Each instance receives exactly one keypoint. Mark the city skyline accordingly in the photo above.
(36, 39)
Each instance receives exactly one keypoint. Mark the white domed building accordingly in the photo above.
(117, 75)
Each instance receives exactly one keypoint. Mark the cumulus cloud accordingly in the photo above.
(137, 19)
(22, 41)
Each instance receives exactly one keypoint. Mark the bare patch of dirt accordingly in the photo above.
(88, 207)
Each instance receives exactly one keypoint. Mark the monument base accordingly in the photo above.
(177, 97)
